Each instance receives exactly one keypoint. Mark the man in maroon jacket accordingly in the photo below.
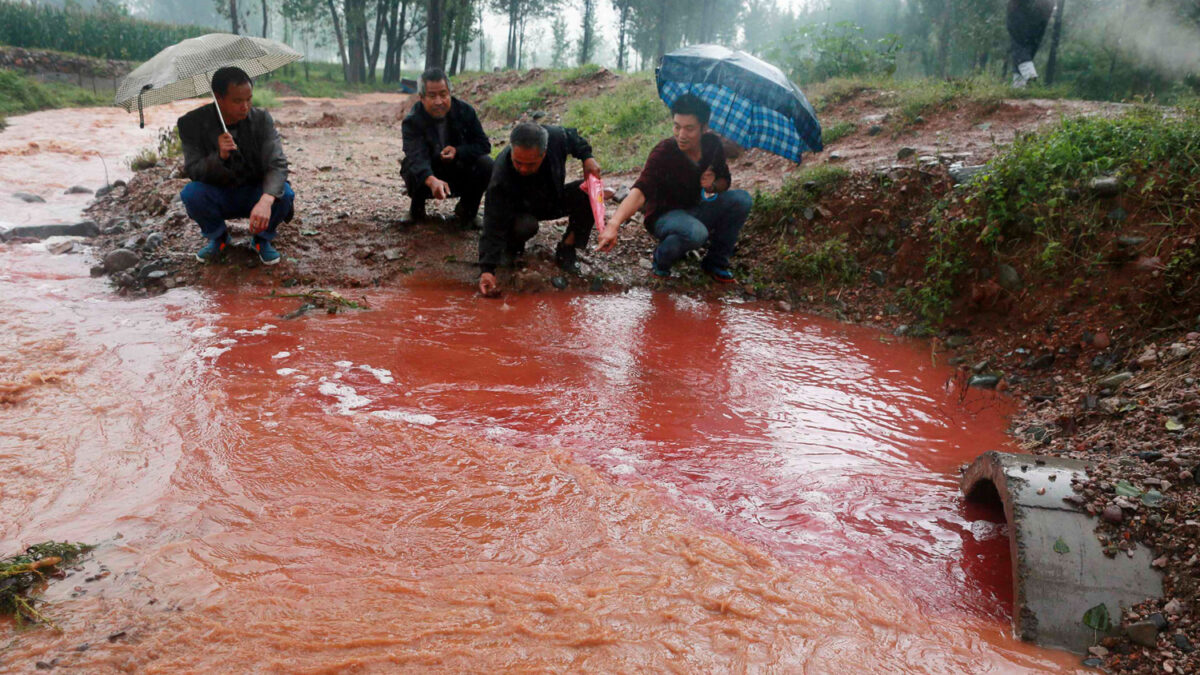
(684, 189)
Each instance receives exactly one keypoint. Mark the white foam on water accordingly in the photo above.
(402, 416)
(281, 355)
(286, 371)
(347, 398)
(344, 364)
(266, 328)
(382, 374)
(213, 352)
(622, 470)
(228, 341)
(204, 332)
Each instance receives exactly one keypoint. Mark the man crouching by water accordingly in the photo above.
(684, 188)
(445, 151)
(236, 173)
(528, 186)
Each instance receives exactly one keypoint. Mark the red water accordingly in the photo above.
(634, 482)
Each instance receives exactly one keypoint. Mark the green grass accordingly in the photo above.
(324, 80)
(579, 73)
(265, 97)
(799, 192)
(512, 103)
(836, 131)
(22, 94)
(917, 97)
(829, 261)
(623, 124)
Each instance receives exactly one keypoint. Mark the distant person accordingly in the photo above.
(529, 185)
(445, 151)
(684, 188)
(1027, 21)
(237, 173)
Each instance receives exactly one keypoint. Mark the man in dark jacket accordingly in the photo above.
(1027, 21)
(684, 189)
(236, 172)
(445, 150)
(528, 185)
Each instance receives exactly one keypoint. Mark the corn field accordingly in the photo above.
(93, 34)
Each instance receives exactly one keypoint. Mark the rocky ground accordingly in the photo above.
(1095, 381)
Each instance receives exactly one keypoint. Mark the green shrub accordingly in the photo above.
(830, 261)
(798, 193)
(107, 35)
(144, 159)
(622, 125)
(513, 102)
(835, 132)
(265, 97)
(579, 73)
(819, 52)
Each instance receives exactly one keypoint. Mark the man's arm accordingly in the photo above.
(497, 220)
(720, 169)
(417, 164)
(577, 145)
(475, 143)
(629, 206)
(198, 163)
(273, 159)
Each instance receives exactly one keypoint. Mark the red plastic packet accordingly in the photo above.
(594, 187)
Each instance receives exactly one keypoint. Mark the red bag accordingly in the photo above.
(594, 188)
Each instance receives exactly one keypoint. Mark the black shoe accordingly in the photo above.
(566, 258)
(416, 213)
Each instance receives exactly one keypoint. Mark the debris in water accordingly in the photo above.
(21, 575)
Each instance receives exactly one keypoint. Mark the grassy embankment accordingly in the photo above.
(22, 94)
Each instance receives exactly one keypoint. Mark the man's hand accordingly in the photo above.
(448, 153)
(708, 181)
(608, 238)
(225, 145)
(488, 286)
(260, 216)
(591, 166)
(440, 189)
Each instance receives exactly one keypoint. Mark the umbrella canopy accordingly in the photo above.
(753, 103)
(185, 70)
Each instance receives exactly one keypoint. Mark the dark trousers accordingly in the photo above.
(468, 181)
(575, 206)
(1027, 21)
(210, 206)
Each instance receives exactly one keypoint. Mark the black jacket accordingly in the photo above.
(259, 159)
(540, 195)
(421, 142)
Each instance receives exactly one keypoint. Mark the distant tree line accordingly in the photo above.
(108, 32)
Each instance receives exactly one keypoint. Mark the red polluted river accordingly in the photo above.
(625, 482)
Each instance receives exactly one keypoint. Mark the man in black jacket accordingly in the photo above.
(445, 150)
(1027, 21)
(237, 172)
(527, 186)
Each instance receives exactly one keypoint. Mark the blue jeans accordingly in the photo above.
(209, 205)
(718, 222)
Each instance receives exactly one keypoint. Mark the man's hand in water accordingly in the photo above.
(488, 286)
(225, 145)
(708, 181)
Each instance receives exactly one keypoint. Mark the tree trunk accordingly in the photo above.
(265, 15)
(449, 30)
(341, 40)
(944, 41)
(622, 32)
(394, 30)
(356, 40)
(661, 49)
(233, 17)
(589, 18)
(510, 55)
(433, 35)
(381, 14)
(1052, 63)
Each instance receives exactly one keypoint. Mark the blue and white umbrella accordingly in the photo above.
(753, 103)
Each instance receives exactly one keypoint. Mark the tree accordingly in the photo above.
(587, 41)
(558, 35)
(1055, 38)
(623, 8)
(519, 12)
(433, 34)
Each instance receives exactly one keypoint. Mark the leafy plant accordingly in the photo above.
(815, 53)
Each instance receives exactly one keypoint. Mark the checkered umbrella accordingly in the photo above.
(753, 103)
(185, 70)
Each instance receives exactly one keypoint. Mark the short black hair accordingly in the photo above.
(227, 76)
(432, 75)
(691, 104)
(529, 135)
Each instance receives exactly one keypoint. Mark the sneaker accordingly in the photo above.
(1028, 71)
(566, 258)
(657, 270)
(719, 274)
(266, 252)
(212, 250)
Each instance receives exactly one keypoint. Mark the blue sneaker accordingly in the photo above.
(266, 252)
(719, 274)
(212, 250)
(658, 270)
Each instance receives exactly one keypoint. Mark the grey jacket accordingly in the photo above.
(259, 160)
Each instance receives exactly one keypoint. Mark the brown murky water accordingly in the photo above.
(634, 482)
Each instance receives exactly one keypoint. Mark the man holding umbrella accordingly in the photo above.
(234, 157)
(684, 187)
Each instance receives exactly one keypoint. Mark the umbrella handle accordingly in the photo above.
(141, 115)
(218, 107)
